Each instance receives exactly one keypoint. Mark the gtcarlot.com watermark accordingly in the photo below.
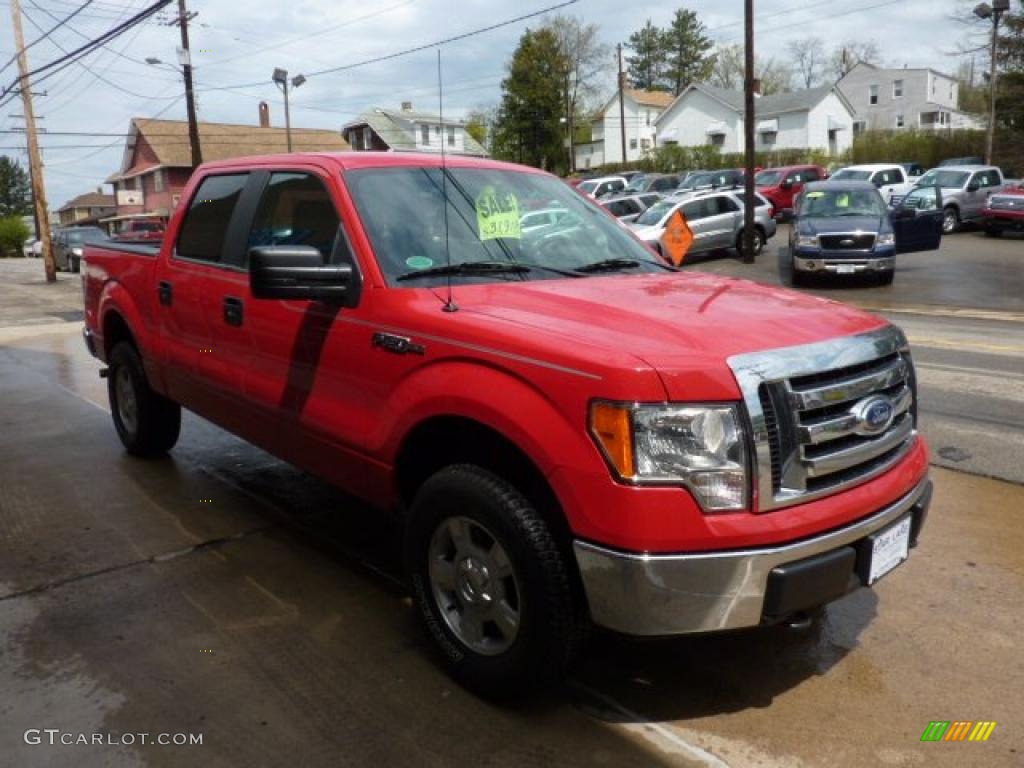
(56, 737)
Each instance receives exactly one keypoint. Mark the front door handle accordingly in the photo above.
(233, 310)
(165, 293)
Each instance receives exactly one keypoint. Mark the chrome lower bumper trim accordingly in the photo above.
(651, 595)
(858, 264)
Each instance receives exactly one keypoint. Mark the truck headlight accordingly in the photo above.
(699, 446)
(889, 238)
(76, 251)
(811, 240)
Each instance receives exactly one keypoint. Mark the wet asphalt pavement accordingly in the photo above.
(221, 592)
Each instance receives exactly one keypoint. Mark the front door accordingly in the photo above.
(917, 222)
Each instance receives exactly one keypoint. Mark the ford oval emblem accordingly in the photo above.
(874, 415)
(846, 242)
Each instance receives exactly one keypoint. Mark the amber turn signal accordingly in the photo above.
(612, 427)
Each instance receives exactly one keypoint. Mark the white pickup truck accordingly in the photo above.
(892, 181)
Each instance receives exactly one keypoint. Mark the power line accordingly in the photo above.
(46, 34)
(57, 65)
(416, 49)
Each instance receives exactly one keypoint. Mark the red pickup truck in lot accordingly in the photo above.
(576, 432)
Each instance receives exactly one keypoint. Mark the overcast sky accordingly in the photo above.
(239, 42)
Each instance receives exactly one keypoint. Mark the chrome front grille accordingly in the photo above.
(827, 416)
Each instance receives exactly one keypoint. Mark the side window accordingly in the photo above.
(632, 206)
(616, 185)
(724, 204)
(991, 179)
(650, 200)
(617, 208)
(695, 211)
(295, 209)
(206, 223)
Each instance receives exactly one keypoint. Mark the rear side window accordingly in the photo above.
(722, 204)
(209, 214)
(295, 209)
(810, 174)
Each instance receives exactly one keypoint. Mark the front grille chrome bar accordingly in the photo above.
(807, 432)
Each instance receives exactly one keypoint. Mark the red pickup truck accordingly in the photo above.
(575, 431)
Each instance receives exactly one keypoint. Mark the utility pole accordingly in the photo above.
(748, 134)
(622, 105)
(34, 162)
(190, 101)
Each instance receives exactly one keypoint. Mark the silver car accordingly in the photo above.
(715, 218)
(627, 208)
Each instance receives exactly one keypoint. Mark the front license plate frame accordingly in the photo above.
(845, 269)
(889, 549)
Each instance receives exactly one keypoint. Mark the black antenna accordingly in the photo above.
(449, 304)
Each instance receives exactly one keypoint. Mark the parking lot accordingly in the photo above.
(221, 592)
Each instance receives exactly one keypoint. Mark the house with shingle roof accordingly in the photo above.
(157, 160)
(817, 118)
(86, 209)
(640, 108)
(408, 130)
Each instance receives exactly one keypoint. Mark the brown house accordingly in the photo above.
(86, 209)
(157, 158)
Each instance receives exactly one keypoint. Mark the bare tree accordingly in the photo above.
(851, 53)
(808, 57)
(728, 71)
(586, 61)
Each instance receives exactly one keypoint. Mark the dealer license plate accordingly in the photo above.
(845, 269)
(889, 549)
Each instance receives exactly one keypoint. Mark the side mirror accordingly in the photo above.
(787, 185)
(296, 272)
(973, 186)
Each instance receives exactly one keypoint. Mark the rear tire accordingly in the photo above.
(491, 583)
(759, 242)
(147, 423)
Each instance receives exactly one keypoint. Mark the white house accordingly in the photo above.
(898, 99)
(409, 131)
(642, 109)
(819, 118)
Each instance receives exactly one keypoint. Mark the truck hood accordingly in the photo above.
(825, 226)
(678, 324)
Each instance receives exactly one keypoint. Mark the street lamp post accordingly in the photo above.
(280, 77)
(994, 12)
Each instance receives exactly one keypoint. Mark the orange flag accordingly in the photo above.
(677, 239)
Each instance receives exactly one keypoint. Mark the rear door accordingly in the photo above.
(917, 223)
(196, 258)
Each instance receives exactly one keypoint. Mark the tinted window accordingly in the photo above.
(722, 205)
(649, 200)
(811, 174)
(696, 210)
(206, 223)
(768, 178)
(946, 179)
(295, 210)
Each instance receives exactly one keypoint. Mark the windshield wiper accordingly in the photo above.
(609, 265)
(467, 268)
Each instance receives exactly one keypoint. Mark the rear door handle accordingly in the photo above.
(233, 310)
(165, 293)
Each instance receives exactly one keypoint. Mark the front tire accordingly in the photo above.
(885, 278)
(74, 264)
(491, 583)
(993, 232)
(147, 423)
(950, 220)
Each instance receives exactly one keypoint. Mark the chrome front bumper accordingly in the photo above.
(859, 264)
(651, 595)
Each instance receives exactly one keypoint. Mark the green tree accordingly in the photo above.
(646, 67)
(13, 233)
(476, 125)
(527, 125)
(687, 50)
(15, 189)
(1010, 84)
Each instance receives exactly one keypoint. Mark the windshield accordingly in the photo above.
(701, 180)
(637, 183)
(768, 178)
(488, 221)
(947, 179)
(87, 236)
(835, 203)
(848, 174)
(656, 213)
